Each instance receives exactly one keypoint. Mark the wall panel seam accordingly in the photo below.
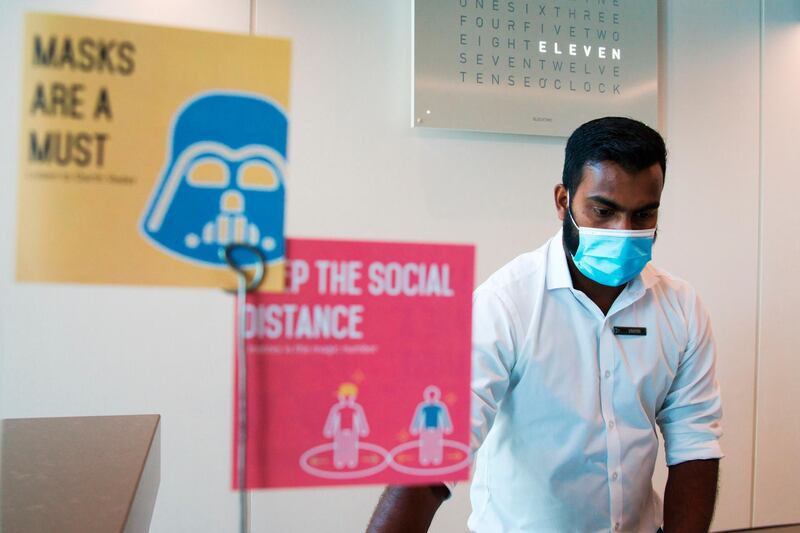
(252, 28)
(759, 258)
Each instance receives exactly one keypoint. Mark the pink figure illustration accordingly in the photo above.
(345, 424)
(431, 421)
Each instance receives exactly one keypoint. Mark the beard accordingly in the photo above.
(570, 235)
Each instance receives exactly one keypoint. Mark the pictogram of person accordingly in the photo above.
(345, 424)
(431, 421)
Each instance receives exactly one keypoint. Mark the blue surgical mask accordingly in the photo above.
(609, 256)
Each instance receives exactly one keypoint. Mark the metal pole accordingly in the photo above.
(243, 287)
(241, 456)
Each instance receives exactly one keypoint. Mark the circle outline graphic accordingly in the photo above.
(353, 474)
(437, 471)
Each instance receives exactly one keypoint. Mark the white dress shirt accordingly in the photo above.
(564, 411)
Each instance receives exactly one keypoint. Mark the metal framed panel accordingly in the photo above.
(533, 67)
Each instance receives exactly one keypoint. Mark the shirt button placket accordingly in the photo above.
(606, 360)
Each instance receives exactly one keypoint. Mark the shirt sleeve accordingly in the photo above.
(690, 414)
(493, 357)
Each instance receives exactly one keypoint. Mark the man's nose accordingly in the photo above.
(624, 222)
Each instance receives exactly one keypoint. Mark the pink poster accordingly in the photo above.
(359, 373)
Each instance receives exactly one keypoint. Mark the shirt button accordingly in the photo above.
(614, 476)
(611, 424)
(616, 526)
(607, 374)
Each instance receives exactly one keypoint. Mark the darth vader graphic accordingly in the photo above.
(223, 182)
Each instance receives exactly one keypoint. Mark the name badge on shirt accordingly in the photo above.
(627, 330)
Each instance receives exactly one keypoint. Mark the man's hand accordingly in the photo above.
(690, 495)
(407, 509)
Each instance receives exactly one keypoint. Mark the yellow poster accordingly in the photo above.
(144, 150)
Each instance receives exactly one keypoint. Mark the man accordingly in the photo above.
(579, 349)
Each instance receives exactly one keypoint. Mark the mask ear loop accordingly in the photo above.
(569, 212)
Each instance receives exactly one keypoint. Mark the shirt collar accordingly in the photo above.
(558, 276)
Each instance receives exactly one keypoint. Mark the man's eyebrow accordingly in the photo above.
(605, 201)
(650, 206)
(613, 205)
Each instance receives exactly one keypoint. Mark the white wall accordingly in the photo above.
(78, 350)
(777, 480)
(359, 171)
(708, 222)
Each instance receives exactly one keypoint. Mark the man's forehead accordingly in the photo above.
(608, 177)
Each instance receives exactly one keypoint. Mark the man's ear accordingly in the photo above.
(560, 199)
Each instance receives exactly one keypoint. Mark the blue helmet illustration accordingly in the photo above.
(224, 181)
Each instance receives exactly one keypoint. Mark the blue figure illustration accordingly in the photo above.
(224, 180)
(431, 421)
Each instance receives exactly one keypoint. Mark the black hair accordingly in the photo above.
(629, 143)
